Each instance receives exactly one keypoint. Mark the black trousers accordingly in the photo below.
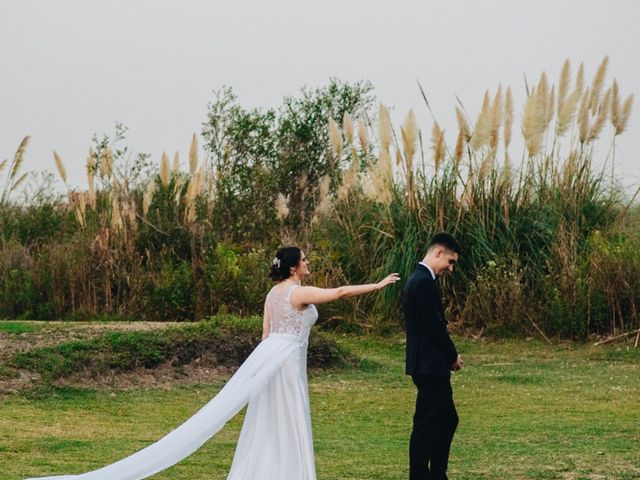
(434, 424)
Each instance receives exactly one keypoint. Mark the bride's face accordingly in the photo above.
(302, 270)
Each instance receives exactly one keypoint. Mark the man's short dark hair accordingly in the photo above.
(446, 240)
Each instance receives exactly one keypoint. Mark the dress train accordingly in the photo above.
(263, 363)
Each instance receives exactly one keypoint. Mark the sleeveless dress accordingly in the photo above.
(276, 442)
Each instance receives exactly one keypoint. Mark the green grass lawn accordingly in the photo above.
(17, 327)
(527, 411)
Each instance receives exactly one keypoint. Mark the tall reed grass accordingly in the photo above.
(533, 236)
(549, 243)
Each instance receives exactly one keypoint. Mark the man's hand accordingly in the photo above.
(458, 364)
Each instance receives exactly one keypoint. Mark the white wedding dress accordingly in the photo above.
(276, 441)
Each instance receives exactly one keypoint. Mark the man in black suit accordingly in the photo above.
(431, 356)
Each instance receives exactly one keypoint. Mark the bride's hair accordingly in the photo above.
(286, 258)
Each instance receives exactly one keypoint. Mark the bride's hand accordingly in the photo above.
(388, 280)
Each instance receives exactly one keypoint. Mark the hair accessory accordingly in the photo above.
(276, 262)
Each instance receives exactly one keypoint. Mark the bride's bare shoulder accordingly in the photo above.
(281, 289)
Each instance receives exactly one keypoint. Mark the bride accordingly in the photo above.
(275, 441)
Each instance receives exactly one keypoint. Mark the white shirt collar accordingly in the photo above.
(430, 269)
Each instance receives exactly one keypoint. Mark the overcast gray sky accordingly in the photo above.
(71, 68)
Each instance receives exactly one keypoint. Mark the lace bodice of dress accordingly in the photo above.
(284, 317)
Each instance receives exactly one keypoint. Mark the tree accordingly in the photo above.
(258, 154)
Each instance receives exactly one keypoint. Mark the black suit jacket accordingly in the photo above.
(430, 350)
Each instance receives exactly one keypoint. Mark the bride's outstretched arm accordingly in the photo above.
(266, 325)
(315, 295)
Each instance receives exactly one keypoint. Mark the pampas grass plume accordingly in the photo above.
(60, 166)
(165, 175)
(623, 118)
(363, 136)
(18, 158)
(347, 125)
(176, 162)
(350, 179)
(193, 155)
(106, 161)
(200, 177)
(384, 165)
(398, 156)
(583, 117)
(462, 121)
(496, 118)
(603, 113)
(533, 122)
(147, 198)
(384, 128)
(596, 85)
(459, 151)
(543, 88)
(580, 79)
(437, 142)
(20, 181)
(563, 84)
(550, 108)
(616, 107)
(324, 200)
(177, 189)
(487, 164)
(567, 112)
(409, 136)
(508, 117)
(409, 133)
(506, 170)
(482, 128)
(282, 207)
(336, 138)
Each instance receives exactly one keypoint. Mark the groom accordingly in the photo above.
(431, 356)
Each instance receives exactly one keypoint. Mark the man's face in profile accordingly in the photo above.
(444, 260)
